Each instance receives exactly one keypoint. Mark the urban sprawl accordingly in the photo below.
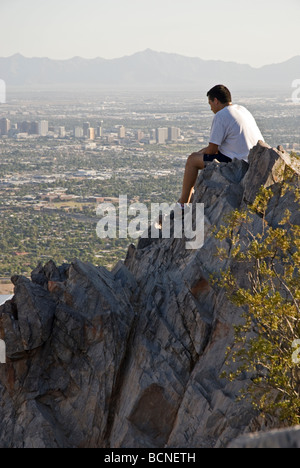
(63, 153)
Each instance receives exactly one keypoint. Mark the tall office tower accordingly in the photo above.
(99, 131)
(86, 127)
(78, 132)
(161, 135)
(91, 133)
(34, 128)
(173, 133)
(25, 127)
(4, 126)
(61, 132)
(43, 127)
(121, 131)
(139, 135)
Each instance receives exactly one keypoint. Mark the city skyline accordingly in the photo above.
(27, 129)
(242, 32)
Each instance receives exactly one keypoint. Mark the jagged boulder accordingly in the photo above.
(133, 357)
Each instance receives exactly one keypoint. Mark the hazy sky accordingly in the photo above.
(256, 32)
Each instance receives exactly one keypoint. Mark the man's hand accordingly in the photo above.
(210, 149)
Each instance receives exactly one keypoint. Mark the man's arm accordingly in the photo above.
(210, 149)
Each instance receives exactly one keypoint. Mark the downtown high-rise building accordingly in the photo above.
(34, 128)
(173, 133)
(24, 127)
(91, 133)
(78, 132)
(43, 128)
(4, 126)
(161, 135)
(140, 135)
(121, 132)
(61, 132)
(99, 130)
(86, 127)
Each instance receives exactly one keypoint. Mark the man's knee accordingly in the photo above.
(195, 160)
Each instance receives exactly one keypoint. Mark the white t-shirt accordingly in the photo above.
(235, 131)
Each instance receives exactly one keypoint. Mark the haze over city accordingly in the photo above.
(65, 149)
(256, 33)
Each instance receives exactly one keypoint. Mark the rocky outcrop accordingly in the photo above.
(133, 357)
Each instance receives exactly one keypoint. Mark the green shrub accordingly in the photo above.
(270, 301)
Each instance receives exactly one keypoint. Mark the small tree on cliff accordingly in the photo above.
(266, 342)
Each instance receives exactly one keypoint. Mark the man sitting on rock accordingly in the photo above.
(233, 133)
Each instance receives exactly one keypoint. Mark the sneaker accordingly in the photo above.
(184, 207)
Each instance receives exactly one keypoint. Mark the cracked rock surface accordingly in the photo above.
(133, 357)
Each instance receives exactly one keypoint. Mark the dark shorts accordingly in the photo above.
(219, 157)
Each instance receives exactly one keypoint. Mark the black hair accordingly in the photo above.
(221, 93)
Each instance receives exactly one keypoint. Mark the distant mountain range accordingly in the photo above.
(145, 68)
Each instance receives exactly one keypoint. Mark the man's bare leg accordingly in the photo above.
(193, 164)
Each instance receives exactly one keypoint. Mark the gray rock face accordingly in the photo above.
(133, 357)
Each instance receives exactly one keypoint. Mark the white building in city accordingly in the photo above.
(43, 128)
(161, 135)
